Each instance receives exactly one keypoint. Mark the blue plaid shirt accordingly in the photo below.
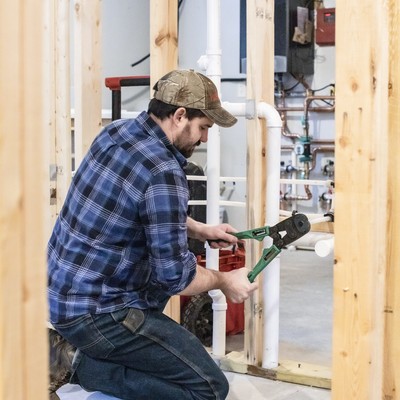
(121, 237)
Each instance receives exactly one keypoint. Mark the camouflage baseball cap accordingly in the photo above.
(187, 88)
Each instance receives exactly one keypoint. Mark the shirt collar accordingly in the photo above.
(153, 129)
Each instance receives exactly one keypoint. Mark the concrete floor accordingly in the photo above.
(305, 332)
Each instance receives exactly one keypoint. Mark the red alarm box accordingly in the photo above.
(325, 29)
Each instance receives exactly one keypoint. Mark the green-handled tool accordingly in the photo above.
(295, 227)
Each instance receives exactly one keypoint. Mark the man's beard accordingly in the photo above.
(187, 151)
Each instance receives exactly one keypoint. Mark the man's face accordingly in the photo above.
(192, 134)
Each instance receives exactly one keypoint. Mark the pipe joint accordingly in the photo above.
(250, 109)
(219, 300)
(203, 62)
(269, 112)
(214, 52)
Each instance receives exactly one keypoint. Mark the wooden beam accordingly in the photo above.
(391, 378)
(163, 38)
(87, 74)
(164, 58)
(260, 87)
(24, 202)
(367, 198)
(62, 86)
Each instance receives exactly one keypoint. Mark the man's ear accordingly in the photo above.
(179, 114)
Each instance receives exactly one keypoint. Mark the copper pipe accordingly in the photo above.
(320, 149)
(307, 108)
(308, 196)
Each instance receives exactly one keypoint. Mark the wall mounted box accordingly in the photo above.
(325, 28)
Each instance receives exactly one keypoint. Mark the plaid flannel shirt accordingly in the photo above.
(121, 237)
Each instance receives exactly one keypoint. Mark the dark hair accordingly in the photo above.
(163, 110)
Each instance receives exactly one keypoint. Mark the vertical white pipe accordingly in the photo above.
(213, 172)
(271, 281)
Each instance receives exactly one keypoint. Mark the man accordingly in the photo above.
(119, 250)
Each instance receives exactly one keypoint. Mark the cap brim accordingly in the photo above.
(221, 117)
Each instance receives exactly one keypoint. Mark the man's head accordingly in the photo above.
(192, 90)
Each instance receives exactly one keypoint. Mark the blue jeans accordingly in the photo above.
(141, 355)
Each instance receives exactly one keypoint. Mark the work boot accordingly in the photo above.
(61, 355)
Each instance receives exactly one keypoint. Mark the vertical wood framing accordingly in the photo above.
(163, 38)
(24, 202)
(260, 87)
(391, 378)
(164, 58)
(63, 156)
(87, 74)
(367, 197)
(60, 106)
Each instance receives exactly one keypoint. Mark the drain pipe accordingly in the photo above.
(271, 275)
(271, 281)
(212, 64)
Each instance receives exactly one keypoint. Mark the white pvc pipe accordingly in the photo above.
(237, 109)
(324, 248)
(271, 281)
(312, 182)
(320, 219)
(213, 64)
(221, 203)
(221, 178)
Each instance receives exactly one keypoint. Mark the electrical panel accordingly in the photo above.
(294, 41)
(325, 27)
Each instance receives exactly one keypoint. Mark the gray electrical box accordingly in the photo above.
(294, 41)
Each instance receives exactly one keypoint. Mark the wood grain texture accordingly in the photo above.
(87, 74)
(24, 202)
(366, 201)
(164, 58)
(260, 87)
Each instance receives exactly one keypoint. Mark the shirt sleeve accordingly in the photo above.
(163, 215)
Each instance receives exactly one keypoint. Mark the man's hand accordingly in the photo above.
(217, 236)
(236, 286)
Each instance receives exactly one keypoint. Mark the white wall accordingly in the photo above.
(126, 39)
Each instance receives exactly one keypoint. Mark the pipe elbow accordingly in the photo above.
(269, 112)
(219, 300)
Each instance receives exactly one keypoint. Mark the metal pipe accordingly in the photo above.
(320, 149)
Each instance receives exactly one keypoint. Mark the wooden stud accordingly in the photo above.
(260, 84)
(24, 166)
(87, 75)
(63, 156)
(164, 58)
(367, 197)
(163, 38)
(391, 379)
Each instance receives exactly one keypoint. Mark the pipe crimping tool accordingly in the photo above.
(295, 227)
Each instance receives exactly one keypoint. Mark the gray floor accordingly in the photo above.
(305, 332)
